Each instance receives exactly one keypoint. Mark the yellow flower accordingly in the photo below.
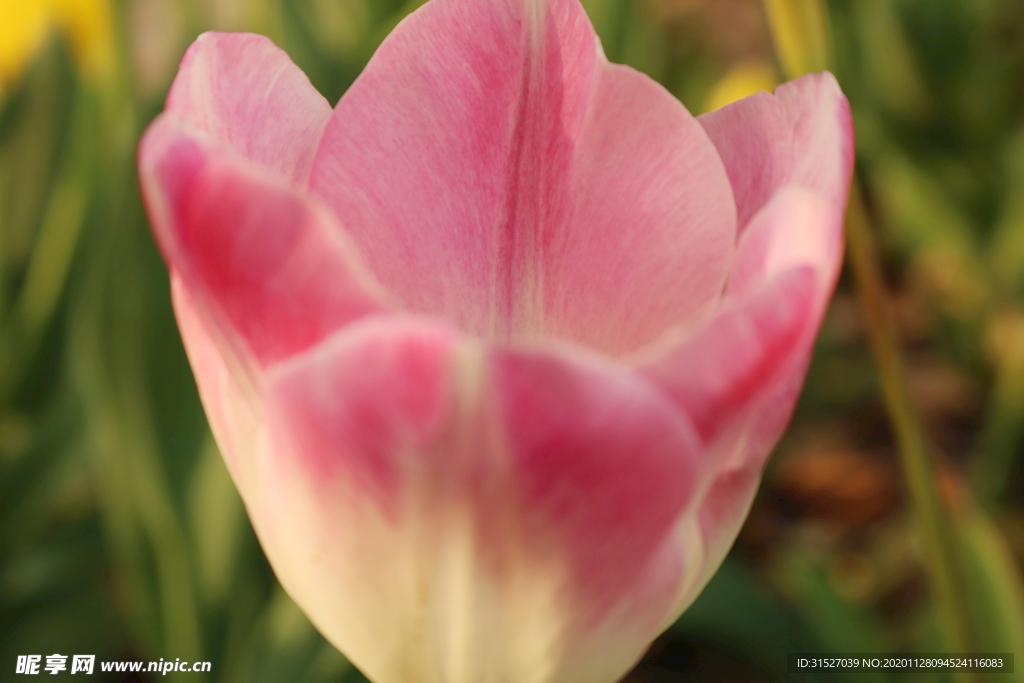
(25, 25)
(743, 79)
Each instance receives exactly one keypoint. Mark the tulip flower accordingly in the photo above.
(496, 349)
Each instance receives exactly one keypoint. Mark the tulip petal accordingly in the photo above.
(242, 91)
(785, 269)
(274, 268)
(470, 516)
(611, 473)
(744, 452)
(524, 187)
(796, 228)
(717, 372)
(231, 403)
(802, 135)
(738, 377)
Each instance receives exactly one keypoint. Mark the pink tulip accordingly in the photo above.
(495, 350)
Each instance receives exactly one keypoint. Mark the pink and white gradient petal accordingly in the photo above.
(471, 515)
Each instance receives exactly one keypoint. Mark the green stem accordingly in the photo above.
(936, 528)
(801, 33)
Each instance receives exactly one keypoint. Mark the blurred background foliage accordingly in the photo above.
(124, 537)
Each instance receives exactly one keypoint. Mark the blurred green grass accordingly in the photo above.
(122, 533)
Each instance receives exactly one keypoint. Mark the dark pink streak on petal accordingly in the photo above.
(803, 135)
(521, 185)
(273, 266)
(242, 91)
(607, 467)
(448, 115)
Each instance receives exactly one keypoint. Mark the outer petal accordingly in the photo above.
(231, 403)
(444, 515)
(242, 91)
(739, 375)
(802, 135)
(258, 270)
(613, 476)
(524, 186)
(273, 269)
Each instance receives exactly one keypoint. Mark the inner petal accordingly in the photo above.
(496, 171)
